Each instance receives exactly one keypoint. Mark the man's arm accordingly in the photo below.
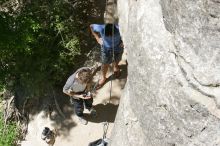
(71, 94)
(68, 93)
(68, 85)
(96, 35)
(76, 95)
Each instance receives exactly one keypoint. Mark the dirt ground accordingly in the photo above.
(70, 131)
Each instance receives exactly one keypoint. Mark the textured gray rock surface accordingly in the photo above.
(172, 96)
(110, 15)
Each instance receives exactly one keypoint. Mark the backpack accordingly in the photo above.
(99, 142)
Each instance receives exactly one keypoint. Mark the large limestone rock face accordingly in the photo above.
(172, 96)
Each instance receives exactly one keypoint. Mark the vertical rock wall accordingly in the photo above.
(172, 96)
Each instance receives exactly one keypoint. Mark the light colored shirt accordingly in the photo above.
(77, 87)
(73, 85)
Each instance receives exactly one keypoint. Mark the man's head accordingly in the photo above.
(110, 29)
(84, 75)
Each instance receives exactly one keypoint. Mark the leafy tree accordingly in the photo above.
(40, 43)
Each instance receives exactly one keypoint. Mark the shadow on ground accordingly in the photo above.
(56, 113)
(105, 113)
(64, 121)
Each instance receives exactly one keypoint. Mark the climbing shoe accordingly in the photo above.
(83, 121)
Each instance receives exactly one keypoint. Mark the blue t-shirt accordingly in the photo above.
(108, 41)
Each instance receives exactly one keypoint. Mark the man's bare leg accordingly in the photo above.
(116, 67)
(104, 72)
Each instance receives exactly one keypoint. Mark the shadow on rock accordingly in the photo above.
(124, 71)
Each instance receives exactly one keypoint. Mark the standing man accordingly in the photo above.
(108, 36)
(78, 87)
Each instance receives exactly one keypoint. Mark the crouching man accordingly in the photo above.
(77, 87)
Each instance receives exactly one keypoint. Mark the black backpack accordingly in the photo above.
(46, 133)
(99, 142)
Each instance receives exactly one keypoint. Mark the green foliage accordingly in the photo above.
(8, 133)
(1, 87)
(39, 44)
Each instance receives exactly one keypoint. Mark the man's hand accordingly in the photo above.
(87, 97)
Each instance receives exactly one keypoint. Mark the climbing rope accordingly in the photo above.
(112, 67)
(113, 57)
(105, 129)
(104, 141)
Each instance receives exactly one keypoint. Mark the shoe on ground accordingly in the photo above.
(83, 121)
(93, 112)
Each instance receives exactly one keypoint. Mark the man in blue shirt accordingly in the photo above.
(108, 36)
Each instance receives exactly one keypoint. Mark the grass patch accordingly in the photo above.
(8, 133)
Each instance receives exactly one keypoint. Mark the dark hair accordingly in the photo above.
(110, 29)
(84, 75)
